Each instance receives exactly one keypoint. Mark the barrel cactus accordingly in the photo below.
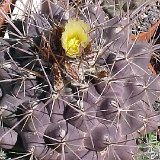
(74, 85)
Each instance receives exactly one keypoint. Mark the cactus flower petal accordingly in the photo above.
(75, 37)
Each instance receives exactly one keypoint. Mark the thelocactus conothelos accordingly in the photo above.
(81, 92)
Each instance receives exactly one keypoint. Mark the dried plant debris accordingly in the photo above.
(147, 17)
(149, 147)
(74, 86)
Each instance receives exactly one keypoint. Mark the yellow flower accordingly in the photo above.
(74, 37)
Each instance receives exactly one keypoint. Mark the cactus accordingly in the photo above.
(74, 85)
